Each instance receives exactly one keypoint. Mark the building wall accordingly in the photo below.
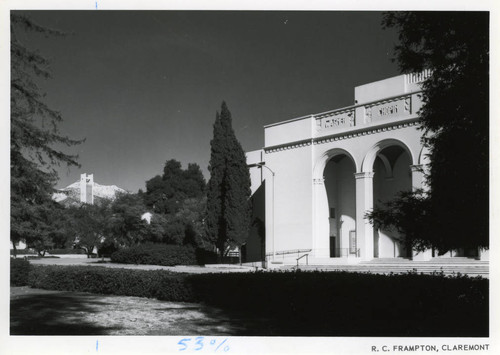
(298, 151)
(255, 249)
(288, 200)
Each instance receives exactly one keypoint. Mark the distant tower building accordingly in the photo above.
(87, 188)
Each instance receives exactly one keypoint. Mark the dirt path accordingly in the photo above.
(42, 312)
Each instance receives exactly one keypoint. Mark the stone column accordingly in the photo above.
(364, 204)
(418, 182)
(321, 232)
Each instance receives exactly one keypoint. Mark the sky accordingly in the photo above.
(143, 87)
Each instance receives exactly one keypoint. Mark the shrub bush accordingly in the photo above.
(204, 256)
(347, 304)
(107, 249)
(156, 254)
(303, 303)
(23, 252)
(159, 284)
(19, 272)
(66, 251)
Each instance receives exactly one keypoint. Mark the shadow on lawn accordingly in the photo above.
(54, 314)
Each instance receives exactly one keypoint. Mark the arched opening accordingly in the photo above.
(392, 175)
(341, 194)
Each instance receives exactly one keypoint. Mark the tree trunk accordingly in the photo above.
(15, 249)
(221, 255)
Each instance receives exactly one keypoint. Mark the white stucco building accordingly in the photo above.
(322, 173)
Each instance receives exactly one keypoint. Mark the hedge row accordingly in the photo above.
(23, 252)
(156, 254)
(159, 284)
(302, 303)
(342, 303)
(20, 270)
(66, 251)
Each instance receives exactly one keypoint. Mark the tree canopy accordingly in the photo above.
(228, 204)
(177, 198)
(90, 224)
(35, 138)
(165, 193)
(455, 121)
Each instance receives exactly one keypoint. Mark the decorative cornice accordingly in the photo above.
(334, 112)
(364, 132)
(388, 100)
(293, 145)
(347, 108)
(341, 136)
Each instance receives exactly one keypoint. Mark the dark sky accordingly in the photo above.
(143, 87)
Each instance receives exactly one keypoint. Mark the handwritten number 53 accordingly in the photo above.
(183, 342)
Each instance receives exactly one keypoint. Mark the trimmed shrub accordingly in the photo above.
(156, 254)
(66, 251)
(303, 303)
(159, 284)
(348, 304)
(23, 252)
(19, 272)
(204, 256)
(107, 249)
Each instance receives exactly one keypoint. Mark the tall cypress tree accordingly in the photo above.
(228, 205)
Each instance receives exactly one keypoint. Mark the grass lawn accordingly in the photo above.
(44, 312)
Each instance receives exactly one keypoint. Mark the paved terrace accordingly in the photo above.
(446, 266)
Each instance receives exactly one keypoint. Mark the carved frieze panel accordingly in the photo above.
(388, 109)
(334, 120)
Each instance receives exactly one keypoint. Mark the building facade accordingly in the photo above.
(323, 172)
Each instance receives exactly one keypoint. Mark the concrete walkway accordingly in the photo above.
(192, 269)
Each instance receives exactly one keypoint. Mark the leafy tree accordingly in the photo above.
(183, 228)
(156, 228)
(455, 120)
(44, 227)
(192, 214)
(228, 206)
(34, 139)
(90, 224)
(125, 223)
(166, 193)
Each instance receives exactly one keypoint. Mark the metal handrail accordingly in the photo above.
(307, 259)
(293, 251)
(339, 252)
